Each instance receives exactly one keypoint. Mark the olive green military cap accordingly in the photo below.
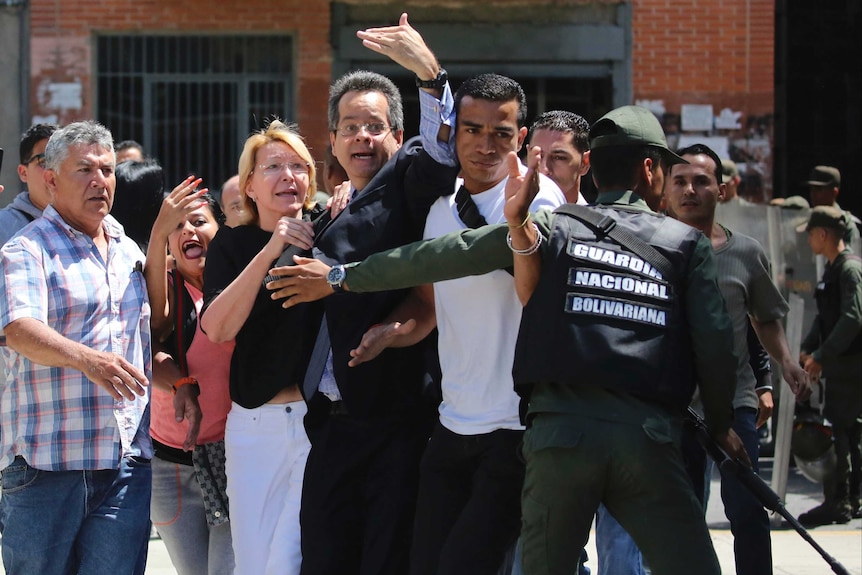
(826, 217)
(631, 126)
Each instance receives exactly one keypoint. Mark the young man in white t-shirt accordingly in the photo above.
(468, 511)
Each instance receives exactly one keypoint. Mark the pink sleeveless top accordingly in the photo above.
(209, 363)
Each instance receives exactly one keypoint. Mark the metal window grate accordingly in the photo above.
(192, 100)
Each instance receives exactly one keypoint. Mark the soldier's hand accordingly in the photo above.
(813, 368)
(733, 446)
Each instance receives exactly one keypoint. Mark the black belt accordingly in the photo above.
(171, 454)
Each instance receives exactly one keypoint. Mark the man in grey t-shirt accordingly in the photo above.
(692, 192)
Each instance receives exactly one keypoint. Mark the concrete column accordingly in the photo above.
(14, 66)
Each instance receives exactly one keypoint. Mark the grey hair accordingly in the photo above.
(87, 132)
(365, 81)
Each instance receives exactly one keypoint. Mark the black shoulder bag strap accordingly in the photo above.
(467, 210)
(469, 214)
(607, 226)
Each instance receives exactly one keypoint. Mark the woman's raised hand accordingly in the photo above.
(182, 200)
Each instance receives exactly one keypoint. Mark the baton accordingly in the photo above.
(746, 475)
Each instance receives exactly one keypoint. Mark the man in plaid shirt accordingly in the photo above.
(74, 413)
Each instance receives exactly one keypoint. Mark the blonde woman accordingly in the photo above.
(266, 444)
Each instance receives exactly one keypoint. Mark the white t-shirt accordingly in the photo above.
(478, 319)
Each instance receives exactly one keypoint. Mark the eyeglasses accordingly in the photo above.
(38, 158)
(373, 128)
(276, 168)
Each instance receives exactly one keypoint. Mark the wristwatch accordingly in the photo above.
(437, 83)
(336, 277)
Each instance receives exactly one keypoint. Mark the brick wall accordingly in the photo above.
(718, 53)
(61, 44)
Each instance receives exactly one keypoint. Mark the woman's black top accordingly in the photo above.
(274, 345)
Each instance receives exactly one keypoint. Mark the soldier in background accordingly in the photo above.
(824, 185)
(833, 348)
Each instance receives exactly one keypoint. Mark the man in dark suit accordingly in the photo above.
(366, 423)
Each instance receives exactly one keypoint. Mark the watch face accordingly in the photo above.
(335, 276)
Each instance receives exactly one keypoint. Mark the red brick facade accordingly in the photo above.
(716, 53)
(720, 53)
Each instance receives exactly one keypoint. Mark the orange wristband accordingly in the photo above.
(183, 381)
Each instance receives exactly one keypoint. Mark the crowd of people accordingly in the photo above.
(432, 357)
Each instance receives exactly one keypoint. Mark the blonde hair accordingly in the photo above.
(276, 131)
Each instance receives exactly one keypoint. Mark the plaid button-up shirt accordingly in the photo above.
(55, 417)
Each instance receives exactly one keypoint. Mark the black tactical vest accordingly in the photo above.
(601, 315)
(828, 298)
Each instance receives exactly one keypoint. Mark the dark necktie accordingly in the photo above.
(467, 210)
(317, 362)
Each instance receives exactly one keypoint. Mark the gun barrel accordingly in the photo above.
(764, 494)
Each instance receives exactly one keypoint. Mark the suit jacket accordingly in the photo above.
(383, 215)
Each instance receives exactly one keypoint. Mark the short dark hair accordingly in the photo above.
(494, 88)
(836, 235)
(35, 134)
(614, 166)
(365, 81)
(568, 123)
(696, 149)
(127, 144)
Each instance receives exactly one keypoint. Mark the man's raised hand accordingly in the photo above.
(403, 45)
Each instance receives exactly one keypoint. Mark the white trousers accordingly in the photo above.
(266, 450)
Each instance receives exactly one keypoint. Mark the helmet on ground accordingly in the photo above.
(812, 449)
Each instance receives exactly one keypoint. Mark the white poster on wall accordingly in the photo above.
(727, 119)
(696, 118)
